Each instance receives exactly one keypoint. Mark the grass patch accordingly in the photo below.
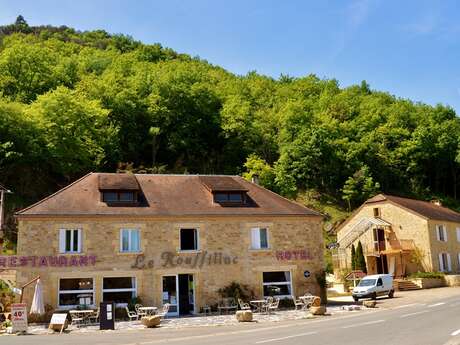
(432, 275)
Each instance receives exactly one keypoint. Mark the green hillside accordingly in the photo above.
(73, 102)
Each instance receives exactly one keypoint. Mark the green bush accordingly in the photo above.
(286, 303)
(133, 301)
(435, 275)
(235, 290)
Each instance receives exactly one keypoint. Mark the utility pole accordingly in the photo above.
(3, 191)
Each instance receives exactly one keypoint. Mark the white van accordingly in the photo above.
(373, 286)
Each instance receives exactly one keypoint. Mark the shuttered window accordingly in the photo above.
(70, 240)
(441, 233)
(445, 264)
(259, 238)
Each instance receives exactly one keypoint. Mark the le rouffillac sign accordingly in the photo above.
(166, 259)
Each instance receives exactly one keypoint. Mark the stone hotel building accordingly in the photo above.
(172, 239)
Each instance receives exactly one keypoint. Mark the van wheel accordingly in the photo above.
(391, 294)
(374, 296)
(356, 299)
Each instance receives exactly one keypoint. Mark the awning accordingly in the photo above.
(378, 222)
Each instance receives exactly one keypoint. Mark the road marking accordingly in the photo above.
(412, 314)
(406, 305)
(436, 304)
(456, 332)
(363, 324)
(287, 337)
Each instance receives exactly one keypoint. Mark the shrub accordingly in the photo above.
(133, 301)
(434, 275)
(44, 318)
(286, 303)
(236, 290)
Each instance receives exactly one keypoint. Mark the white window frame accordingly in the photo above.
(458, 262)
(197, 235)
(63, 292)
(438, 233)
(129, 250)
(279, 283)
(133, 289)
(458, 234)
(255, 238)
(63, 242)
(441, 262)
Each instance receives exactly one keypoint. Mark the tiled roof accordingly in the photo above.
(424, 208)
(165, 195)
(222, 184)
(118, 181)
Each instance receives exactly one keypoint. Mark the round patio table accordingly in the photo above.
(258, 304)
(149, 310)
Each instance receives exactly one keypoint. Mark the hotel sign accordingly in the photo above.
(14, 261)
(196, 260)
(286, 255)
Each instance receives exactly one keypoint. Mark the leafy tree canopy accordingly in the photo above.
(72, 102)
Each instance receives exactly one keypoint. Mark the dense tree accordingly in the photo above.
(353, 257)
(360, 262)
(71, 102)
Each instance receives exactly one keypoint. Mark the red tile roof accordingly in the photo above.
(165, 195)
(118, 182)
(424, 208)
(222, 184)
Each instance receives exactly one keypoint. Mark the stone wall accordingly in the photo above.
(229, 236)
(428, 283)
(452, 279)
(452, 246)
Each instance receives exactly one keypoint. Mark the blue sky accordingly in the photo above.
(408, 48)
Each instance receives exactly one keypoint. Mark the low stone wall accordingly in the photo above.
(452, 279)
(428, 283)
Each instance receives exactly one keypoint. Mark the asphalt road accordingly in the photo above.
(435, 321)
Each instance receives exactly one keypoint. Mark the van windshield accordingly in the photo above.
(367, 282)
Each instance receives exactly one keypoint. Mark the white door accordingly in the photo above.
(170, 293)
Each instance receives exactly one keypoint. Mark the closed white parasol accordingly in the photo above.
(37, 303)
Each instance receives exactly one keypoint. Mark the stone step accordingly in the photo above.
(405, 285)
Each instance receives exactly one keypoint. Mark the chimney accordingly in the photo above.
(436, 202)
(255, 179)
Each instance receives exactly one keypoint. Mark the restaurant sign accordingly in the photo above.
(15, 261)
(196, 260)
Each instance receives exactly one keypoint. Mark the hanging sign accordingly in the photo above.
(19, 317)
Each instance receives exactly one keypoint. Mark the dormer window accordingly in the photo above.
(119, 196)
(229, 197)
(119, 189)
(226, 191)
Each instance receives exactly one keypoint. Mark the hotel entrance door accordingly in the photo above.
(179, 292)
